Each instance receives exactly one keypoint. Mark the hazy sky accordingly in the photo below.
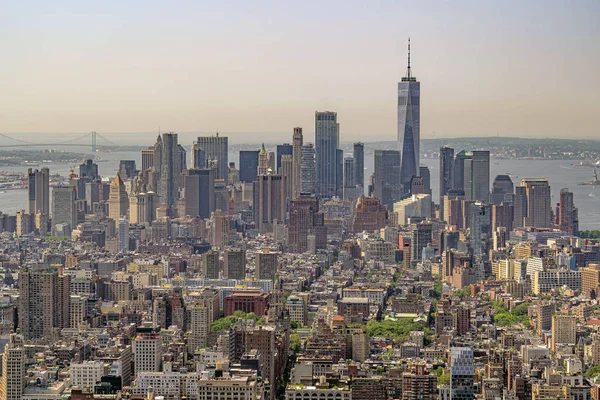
(515, 68)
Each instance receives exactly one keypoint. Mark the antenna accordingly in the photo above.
(408, 68)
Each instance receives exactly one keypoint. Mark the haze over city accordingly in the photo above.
(509, 68)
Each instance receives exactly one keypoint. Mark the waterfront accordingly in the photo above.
(560, 174)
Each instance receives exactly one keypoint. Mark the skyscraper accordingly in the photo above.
(282, 149)
(169, 170)
(200, 192)
(349, 179)
(248, 165)
(12, 381)
(480, 235)
(269, 201)
(305, 219)
(234, 263)
(199, 156)
(462, 374)
(481, 175)
(263, 162)
(503, 190)
(118, 201)
(216, 149)
(359, 164)
(308, 170)
(426, 176)
(44, 302)
(539, 210)
(297, 143)
(89, 169)
(568, 220)
(64, 212)
(409, 124)
(459, 170)
(446, 174)
(39, 191)
(326, 145)
(386, 177)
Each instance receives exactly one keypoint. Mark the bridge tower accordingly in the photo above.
(94, 134)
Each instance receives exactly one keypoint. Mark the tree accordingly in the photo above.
(295, 325)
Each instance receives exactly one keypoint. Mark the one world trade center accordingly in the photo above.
(408, 125)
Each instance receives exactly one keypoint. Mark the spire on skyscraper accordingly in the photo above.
(408, 65)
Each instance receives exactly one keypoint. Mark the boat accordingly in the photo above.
(593, 182)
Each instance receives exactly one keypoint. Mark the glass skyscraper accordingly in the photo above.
(327, 140)
(409, 124)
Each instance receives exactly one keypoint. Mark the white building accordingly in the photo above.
(244, 388)
(418, 205)
(87, 374)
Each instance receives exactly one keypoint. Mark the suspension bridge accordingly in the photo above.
(93, 136)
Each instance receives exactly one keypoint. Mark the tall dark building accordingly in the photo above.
(200, 192)
(386, 177)
(216, 149)
(446, 173)
(409, 120)
(503, 190)
(459, 170)
(198, 157)
(248, 165)
(281, 150)
(127, 169)
(39, 191)
(462, 374)
(426, 175)
(182, 156)
(359, 163)
(89, 169)
(170, 170)
(327, 138)
(568, 220)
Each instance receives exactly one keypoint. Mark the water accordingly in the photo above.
(560, 174)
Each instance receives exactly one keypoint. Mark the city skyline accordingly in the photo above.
(462, 53)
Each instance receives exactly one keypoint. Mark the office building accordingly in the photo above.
(386, 177)
(245, 387)
(169, 171)
(127, 169)
(220, 229)
(327, 138)
(248, 165)
(359, 164)
(477, 176)
(89, 169)
(305, 219)
(269, 201)
(419, 384)
(296, 178)
(453, 207)
(12, 380)
(234, 263)
(297, 308)
(446, 174)
(87, 374)
(538, 210)
(147, 350)
(418, 205)
(520, 206)
(282, 149)
(266, 264)
(216, 149)
(409, 125)
(544, 314)
(39, 191)
(564, 331)
(590, 278)
(425, 176)
(286, 171)
(200, 192)
(480, 235)
(263, 162)
(182, 158)
(308, 170)
(199, 323)
(503, 190)
(123, 235)
(462, 374)
(568, 220)
(118, 201)
(421, 237)
(459, 169)
(349, 179)
(147, 159)
(64, 213)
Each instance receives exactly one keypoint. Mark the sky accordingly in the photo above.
(259, 68)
